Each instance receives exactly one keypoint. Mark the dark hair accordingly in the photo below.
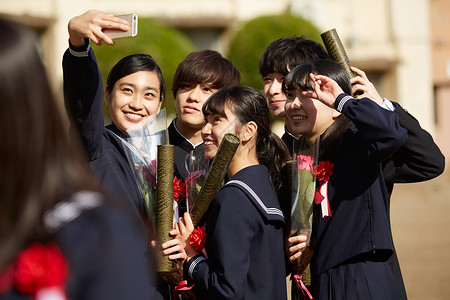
(289, 52)
(38, 166)
(206, 66)
(250, 105)
(131, 64)
(299, 78)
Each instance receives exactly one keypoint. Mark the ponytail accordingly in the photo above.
(273, 153)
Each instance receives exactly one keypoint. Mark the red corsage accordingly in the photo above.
(179, 188)
(197, 238)
(39, 267)
(323, 171)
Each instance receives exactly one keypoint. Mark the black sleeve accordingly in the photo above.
(419, 159)
(83, 97)
(379, 131)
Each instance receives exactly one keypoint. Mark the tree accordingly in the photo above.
(166, 45)
(249, 43)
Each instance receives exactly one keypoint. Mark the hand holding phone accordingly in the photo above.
(132, 20)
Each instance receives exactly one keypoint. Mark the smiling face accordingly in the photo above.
(274, 94)
(308, 116)
(188, 103)
(214, 129)
(134, 98)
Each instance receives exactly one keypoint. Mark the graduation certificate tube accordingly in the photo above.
(213, 181)
(164, 202)
(336, 50)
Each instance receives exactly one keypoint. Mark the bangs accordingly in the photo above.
(206, 67)
(208, 75)
(274, 65)
(216, 104)
(299, 78)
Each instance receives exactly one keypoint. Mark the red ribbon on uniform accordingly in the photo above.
(301, 286)
(181, 286)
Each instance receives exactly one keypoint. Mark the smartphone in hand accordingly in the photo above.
(132, 20)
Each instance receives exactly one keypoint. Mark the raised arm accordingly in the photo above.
(419, 158)
(83, 88)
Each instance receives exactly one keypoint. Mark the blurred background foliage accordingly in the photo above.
(249, 43)
(169, 46)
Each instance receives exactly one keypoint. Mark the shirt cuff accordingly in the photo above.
(81, 51)
(388, 105)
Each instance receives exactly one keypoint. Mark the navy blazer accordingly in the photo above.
(83, 98)
(357, 193)
(244, 242)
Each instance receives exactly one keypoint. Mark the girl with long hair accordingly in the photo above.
(244, 228)
(60, 235)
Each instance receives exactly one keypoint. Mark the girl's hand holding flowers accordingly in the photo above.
(175, 248)
(295, 245)
(180, 247)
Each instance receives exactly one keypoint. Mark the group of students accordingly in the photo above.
(98, 218)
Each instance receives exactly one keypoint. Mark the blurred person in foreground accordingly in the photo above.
(61, 236)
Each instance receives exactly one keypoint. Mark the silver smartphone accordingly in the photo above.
(132, 20)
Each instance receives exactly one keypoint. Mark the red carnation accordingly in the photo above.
(197, 238)
(179, 188)
(323, 171)
(40, 266)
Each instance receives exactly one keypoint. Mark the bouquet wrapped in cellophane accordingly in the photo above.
(151, 159)
(141, 149)
(303, 189)
(198, 168)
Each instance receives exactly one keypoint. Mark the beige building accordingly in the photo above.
(403, 45)
(440, 45)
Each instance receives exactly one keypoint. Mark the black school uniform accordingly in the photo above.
(104, 246)
(353, 245)
(419, 159)
(182, 147)
(244, 242)
(83, 96)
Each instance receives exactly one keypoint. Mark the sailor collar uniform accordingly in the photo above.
(244, 242)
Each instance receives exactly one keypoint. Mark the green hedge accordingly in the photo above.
(166, 45)
(249, 43)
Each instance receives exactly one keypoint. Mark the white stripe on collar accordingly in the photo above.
(268, 210)
(67, 211)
